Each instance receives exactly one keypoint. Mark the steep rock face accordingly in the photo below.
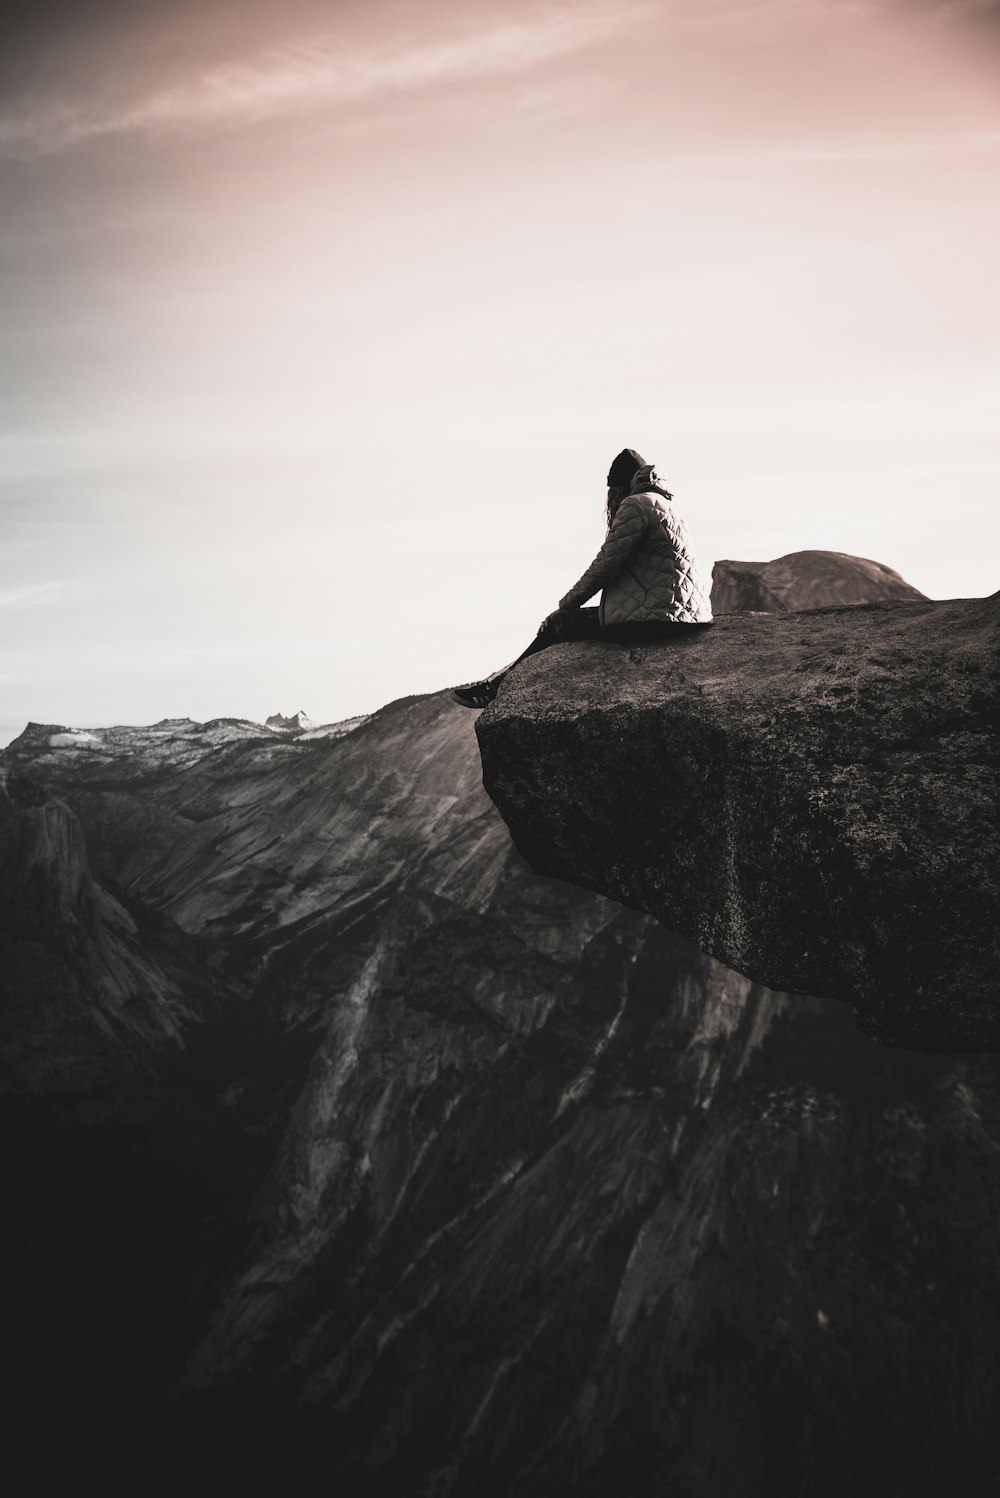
(525, 1239)
(805, 580)
(477, 1182)
(84, 996)
(811, 798)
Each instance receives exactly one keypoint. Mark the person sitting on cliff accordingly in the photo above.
(652, 588)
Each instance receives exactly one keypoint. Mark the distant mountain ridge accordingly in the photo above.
(169, 739)
(298, 723)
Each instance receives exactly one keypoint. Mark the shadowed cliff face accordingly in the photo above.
(435, 1175)
(805, 580)
(87, 995)
(809, 797)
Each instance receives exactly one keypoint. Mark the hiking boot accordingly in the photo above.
(477, 693)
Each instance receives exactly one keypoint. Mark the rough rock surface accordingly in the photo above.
(811, 798)
(456, 1179)
(805, 580)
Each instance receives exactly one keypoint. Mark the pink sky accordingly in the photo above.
(322, 324)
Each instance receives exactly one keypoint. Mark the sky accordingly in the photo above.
(321, 324)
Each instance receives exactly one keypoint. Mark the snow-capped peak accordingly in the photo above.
(296, 724)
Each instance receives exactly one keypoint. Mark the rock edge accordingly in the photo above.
(810, 797)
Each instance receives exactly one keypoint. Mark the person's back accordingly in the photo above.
(651, 588)
(657, 576)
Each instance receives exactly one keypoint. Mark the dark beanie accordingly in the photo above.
(624, 468)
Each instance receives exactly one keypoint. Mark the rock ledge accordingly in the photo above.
(812, 798)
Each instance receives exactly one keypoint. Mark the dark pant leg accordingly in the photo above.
(585, 624)
(569, 624)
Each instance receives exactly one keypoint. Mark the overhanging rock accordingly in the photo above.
(812, 798)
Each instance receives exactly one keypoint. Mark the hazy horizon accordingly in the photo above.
(322, 324)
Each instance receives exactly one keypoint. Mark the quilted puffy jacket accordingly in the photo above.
(645, 566)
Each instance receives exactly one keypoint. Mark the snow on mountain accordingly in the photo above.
(336, 730)
(299, 722)
(73, 738)
(302, 726)
(172, 742)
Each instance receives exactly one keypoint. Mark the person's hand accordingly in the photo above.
(554, 617)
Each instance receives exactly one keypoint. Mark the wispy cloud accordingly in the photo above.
(324, 72)
(318, 73)
(30, 595)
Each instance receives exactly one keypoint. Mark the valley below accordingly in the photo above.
(348, 1155)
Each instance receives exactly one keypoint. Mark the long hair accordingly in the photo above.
(616, 493)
